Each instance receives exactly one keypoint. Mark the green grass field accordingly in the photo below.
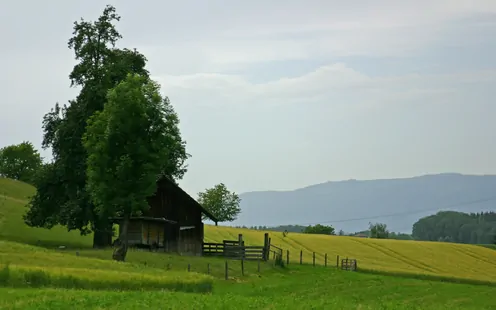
(44, 277)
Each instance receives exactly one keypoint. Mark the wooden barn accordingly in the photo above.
(173, 223)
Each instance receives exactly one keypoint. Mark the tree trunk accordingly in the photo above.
(120, 250)
(102, 235)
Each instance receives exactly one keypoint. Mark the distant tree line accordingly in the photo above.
(316, 229)
(376, 230)
(459, 227)
(281, 228)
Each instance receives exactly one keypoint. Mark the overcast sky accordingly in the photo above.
(276, 95)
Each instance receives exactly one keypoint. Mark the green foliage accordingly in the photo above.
(451, 226)
(100, 67)
(132, 142)
(378, 231)
(222, 203)
(45, 203)
(320, 229)
(400, 236)
(20, 162)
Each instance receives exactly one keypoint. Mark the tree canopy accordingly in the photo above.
(320, 229)
(100, 67)
(222, 203)
(452, 226)
(20, 162)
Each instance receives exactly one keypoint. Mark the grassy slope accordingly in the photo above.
(435, 258)
(305, 288)
(13, 199)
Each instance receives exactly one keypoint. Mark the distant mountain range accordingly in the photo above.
(351, 205)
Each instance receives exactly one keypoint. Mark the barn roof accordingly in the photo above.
(190, 199)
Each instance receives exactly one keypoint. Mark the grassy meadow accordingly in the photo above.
(35, 274)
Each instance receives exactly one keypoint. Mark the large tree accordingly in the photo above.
(222, 203)
(101, 66)
(20, 162)
(131, 144)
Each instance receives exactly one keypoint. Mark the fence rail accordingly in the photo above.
(276, 251)
(349, 264)
(233, 251)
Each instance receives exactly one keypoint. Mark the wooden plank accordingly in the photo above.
(252, 247)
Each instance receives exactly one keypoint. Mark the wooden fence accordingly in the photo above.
(233, 251)
(276, 251)
(349, 264)
(236, 249)
(344, 264)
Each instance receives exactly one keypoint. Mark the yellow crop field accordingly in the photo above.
(433, 258)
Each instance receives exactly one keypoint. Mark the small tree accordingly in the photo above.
(20, 162)
(130, 144)
(378, 231)
(222, 203)
(319, 229)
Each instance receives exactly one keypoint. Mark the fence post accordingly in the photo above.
(189, 267)
(266, 247)
(301, 257)
(287, 257)
(325, 260)
(241, 245)
(208, 268)
(314, 259)
(337, 261)
(242, 266)
(226, 271)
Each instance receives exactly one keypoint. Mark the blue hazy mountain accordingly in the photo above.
(397, 202)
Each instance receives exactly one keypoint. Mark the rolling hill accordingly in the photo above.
(397, 202)
(430, 258)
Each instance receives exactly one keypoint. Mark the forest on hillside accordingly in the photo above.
(459, 227)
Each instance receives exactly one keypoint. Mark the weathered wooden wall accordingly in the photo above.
(173, 205)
